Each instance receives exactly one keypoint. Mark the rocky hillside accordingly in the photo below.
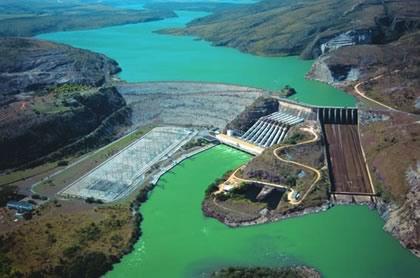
(389, 71)
(52, 95)
(29, 65)
(395, 135)
(262, 106)
(307, 27)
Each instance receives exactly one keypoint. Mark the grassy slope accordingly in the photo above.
(290, 27)
(282, 27)
(35, 17)
(61, 234)
(391, 148)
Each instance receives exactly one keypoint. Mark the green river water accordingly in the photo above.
(146, 56)
(177, 241)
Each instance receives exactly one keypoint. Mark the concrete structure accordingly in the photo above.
(336, 115)
(21, 207)
(272, 129)
(348, 38)
(239, 144)
(122, 173)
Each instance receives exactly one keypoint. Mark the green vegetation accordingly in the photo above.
(238, 193)
(91, 200)
(214, 186)
(195, 143)
(68, 88)
(7, 193)
(291, 180)
(295, 138)
(62, 163)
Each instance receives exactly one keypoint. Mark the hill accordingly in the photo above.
(54, 94)
(388, 72)
(29, 18)
(301, 27)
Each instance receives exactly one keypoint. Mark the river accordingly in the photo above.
(178, 241)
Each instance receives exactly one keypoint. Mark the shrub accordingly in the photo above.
(91, 200)
(62, 163)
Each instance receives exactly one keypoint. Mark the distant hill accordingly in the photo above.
(32, 17)
(301, 27)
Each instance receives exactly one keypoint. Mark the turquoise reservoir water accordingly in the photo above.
(147, 56)
(178, 241)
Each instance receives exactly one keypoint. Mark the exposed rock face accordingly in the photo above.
(404, 221)
(263, 106)
(348, 38)
(29, 135)
(306, 27)
(29, 64)
(50, 97)
(334, 74)
(394, 66)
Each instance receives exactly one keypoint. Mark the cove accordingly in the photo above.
(178, 241)
(145, 55)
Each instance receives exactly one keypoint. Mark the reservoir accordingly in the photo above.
(178, 241)
(145, 55)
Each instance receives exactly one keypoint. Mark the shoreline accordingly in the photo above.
(143, 196)
(382, 209)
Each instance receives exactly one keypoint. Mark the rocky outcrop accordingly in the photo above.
(52, 96)
(30, 64)
(333, 73)
(262, 106)
(389, 71)
(404, 221)
(29, 135)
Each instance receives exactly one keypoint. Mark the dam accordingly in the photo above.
(347, 167)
